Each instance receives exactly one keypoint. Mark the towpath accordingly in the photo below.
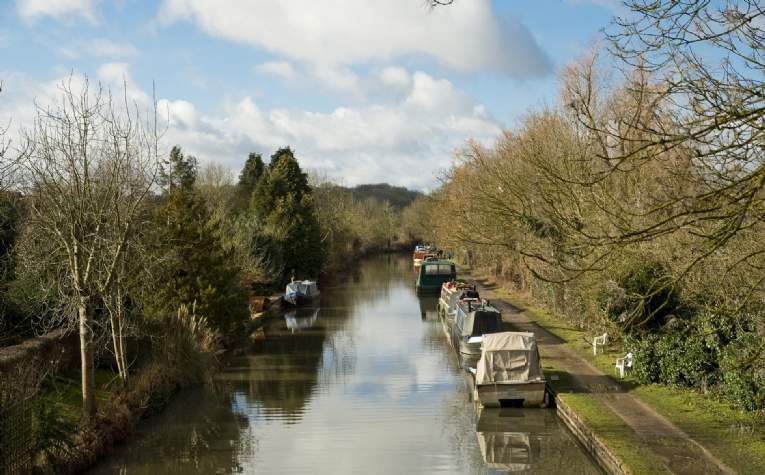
(680, 453)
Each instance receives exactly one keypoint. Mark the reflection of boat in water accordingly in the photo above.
(429, 308)
(301, 292)
(511, 439)
(301, 318)
(509, 371)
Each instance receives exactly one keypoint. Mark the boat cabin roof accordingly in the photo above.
(475, 318)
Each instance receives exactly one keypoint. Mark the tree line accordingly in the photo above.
(634, 204)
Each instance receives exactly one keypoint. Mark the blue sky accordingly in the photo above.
(363, 91)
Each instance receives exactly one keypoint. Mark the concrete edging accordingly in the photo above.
(591, 443)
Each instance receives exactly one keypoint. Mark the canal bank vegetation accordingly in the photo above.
(141, 262)
(633, 206)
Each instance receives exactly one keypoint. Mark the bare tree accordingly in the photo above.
(692, 106)
(90, 163)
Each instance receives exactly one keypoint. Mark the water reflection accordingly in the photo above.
(360, 386)
(301, 318)
(429, 308)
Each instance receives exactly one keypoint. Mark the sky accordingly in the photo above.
(363, 91)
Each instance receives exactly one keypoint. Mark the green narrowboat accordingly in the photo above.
(433, 273)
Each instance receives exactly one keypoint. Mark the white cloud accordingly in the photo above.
(98, 47)
(395, 77)
(338, 79)
(116, 77)
(280, 69)
(31, 10)
(406, 141)
(466, 36)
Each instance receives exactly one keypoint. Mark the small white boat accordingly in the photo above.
(509, 371)
(301, 292)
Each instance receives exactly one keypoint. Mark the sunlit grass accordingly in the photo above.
(67, 392)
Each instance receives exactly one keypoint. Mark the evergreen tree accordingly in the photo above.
(284, 203)
(194, 266)
(248, 179)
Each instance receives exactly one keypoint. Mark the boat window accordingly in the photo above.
(445, 269)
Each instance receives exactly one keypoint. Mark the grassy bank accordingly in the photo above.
(76, 446)
(735, 437)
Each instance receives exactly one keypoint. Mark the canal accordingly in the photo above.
(368, 384)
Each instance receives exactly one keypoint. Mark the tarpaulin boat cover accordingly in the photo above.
(305, 288)
(508, 357)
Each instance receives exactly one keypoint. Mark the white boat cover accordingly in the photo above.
(509, 357)
(302, 288)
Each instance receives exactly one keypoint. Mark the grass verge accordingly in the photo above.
(621, 440)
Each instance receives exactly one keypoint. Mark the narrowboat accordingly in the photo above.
(474, 318)
(301, 292)
(432, 274)
(451, 293)
(509, 372)
(420, 253)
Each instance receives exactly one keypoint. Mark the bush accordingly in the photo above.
(677, 358)
(743, 372)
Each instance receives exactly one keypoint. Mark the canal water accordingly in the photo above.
(365, 384)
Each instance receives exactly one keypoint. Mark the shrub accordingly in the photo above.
(679, 358)
(743, 372)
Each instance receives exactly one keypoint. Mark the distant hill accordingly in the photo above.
(398, 196)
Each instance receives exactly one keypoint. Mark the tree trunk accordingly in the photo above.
(87, 359)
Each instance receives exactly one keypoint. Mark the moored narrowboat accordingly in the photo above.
(451, 293)
(509, 371)
(419, 254)
(301, 292)
(433, 273)
(473, 319)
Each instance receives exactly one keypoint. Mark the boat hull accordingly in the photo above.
(529, 394)
(300, 300)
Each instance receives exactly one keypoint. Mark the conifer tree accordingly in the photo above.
(248, 179)
(284, 203)
(194, 266)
